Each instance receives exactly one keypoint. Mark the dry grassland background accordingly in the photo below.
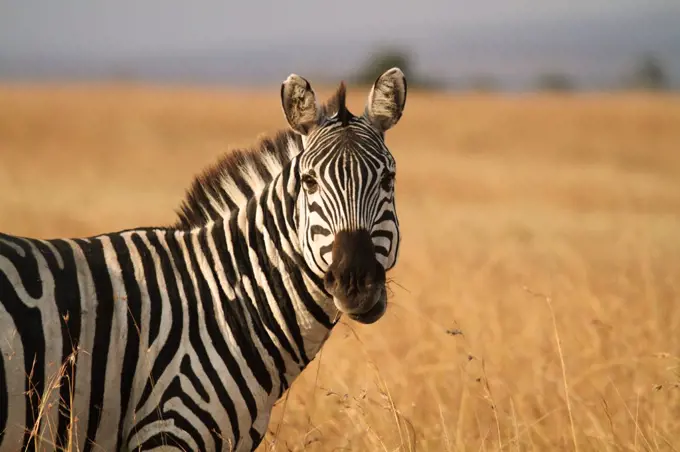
(540, 256)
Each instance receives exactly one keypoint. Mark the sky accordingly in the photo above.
(38, 34)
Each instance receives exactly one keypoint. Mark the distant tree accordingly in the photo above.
(386, 58)
(483, 83)
(554, 81)
(650, 74)
(382, 60)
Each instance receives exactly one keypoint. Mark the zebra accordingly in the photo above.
(184, 337)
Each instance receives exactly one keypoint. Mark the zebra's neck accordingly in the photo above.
(260, 268)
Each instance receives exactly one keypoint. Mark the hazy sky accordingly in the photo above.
(120, 28)
(256, 41)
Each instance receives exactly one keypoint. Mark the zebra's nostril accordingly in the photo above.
(368, 280)
(329, 281)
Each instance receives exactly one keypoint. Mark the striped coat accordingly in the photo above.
(184, 337)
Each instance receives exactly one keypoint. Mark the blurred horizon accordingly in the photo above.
(595, 45)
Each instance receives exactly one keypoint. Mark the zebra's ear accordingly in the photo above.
(299, 104)
(387, 99)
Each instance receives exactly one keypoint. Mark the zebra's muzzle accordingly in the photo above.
(355, 278)
(374, 313)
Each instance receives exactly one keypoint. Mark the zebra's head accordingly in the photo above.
(346, 216)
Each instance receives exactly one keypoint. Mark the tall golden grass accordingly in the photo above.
(535, 305)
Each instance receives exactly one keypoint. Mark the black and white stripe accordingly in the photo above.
(184, 336)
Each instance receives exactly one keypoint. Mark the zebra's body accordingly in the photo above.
(182, 336)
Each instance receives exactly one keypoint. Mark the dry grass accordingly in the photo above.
(535, 302)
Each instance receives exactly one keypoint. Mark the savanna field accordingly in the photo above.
(535, 302)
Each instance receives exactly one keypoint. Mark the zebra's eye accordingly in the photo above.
(309, 182)
(387, 182)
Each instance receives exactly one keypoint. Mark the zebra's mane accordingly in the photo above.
(242, 173)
